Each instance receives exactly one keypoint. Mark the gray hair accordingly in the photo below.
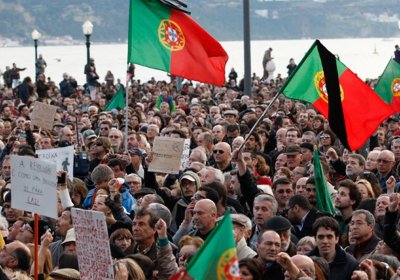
(369, 217)
(162, 212)
(219, 176)
(202, 155)
(270, 198)
(102, 173)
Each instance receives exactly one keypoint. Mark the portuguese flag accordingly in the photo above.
(388, 86)
(167, 39)
(353, 109)
(216, 259)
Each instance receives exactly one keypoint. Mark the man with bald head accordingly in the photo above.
(296, 266)
(219, 133)
(222, 156)
(386, 164)
(268, 247)
(202, 216)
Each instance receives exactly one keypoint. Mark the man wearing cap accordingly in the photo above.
(231, 116)
(283, 227)
(136, 157)
(306, 150)
(293, 156)
(239, 231)
(268, 247)
(89, 136)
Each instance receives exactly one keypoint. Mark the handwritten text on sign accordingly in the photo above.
(167, 154)
(92, 245)
(63, 157)
(34, 183)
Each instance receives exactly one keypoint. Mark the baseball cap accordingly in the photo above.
(88, 134)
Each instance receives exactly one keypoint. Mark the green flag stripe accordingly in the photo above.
(144, 20)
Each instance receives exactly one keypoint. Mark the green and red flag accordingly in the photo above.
(388, 86)
(117, 102)
(217, 258)
(324, 201)
(353, 109)
(165, 38)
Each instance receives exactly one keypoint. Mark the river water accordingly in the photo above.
(366, 57)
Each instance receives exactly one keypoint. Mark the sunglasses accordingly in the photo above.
(99, 144)
(218, 151)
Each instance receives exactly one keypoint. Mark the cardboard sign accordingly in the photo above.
(43, 115)
(185, 154)
(92, 245)
(63, 157)
(34, 185)
(167, 154)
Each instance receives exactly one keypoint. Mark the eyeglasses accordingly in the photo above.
(27, 227)
(218, 151)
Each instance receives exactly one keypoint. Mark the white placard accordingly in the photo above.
(34, 185)
(185, 154)
(167, 154)
(92, 245)
(63, 157)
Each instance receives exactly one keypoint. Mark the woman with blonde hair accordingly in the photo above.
(365, 188)
(128, 269)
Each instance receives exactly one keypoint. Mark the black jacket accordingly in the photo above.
(342, 266)
(390, 234)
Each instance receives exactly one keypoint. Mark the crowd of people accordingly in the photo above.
(156, 222)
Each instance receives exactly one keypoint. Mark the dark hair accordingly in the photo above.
(23, 257)
(253, 266)
(326, 222)
(220, 189)
(210, 193)
(281, 181)
(68, 260)
(368, 204)
(301, 201)
(153, 218)
(353, 191)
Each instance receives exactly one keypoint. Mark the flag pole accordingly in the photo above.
(259, 119)
(128, 78)
(36, 245)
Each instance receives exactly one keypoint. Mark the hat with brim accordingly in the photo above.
(188, 177)
(278, 224)
(70, 237)
(292, 150)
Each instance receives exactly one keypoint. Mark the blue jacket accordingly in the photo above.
(127, 199)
